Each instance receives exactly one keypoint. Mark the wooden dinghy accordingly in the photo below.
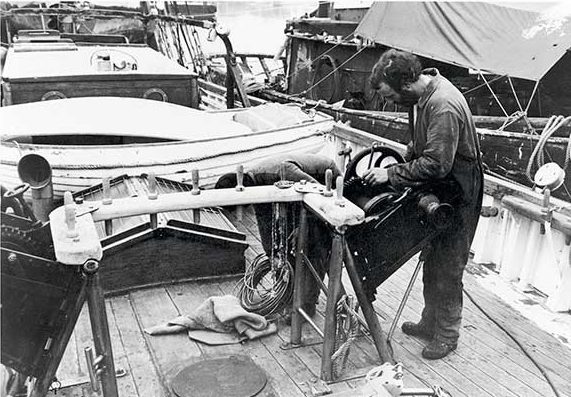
(88, 139)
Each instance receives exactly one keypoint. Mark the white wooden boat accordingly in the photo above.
(88, 139)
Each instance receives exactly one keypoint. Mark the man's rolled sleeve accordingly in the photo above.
(437, 158)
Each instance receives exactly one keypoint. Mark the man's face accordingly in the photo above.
(404, 97)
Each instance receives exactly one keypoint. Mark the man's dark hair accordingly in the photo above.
(395, 68)
(228, 181)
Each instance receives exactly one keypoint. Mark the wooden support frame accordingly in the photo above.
(76, 244)
(83, 246)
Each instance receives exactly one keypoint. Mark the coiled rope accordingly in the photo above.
(538, 154)
(265, 290)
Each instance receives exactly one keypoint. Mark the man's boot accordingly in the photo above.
(438, 349)
(419, 329)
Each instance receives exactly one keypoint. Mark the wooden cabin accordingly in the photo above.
(44, 66)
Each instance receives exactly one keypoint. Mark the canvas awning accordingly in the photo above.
(481, 36)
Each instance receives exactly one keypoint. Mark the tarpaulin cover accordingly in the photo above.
(481, 36)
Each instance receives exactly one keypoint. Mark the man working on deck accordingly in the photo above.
(444, 147)
(297, 167)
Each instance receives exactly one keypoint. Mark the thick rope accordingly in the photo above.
(347, 332)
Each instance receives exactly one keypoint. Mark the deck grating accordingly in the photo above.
(486, 363)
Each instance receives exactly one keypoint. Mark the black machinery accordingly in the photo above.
(41, 302)
(398, 224)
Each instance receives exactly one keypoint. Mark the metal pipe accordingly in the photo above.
(404, 300)
(299, 278)
(311, 322)
(36, 171)
(335, 269)
(100, 328)
(91, 369)
(367, 308)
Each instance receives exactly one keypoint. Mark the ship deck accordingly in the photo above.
(486, 363)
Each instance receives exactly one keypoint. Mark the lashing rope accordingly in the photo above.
(347, 332)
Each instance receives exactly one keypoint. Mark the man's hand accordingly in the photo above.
(376, 176)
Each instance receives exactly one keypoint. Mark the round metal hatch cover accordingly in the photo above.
(234, 376)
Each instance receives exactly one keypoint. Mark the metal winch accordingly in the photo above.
(398, 223)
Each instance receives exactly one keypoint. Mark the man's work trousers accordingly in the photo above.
(445, 261)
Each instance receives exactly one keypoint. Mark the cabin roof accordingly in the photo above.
(116, 116)
(481, 36)
(68, 60)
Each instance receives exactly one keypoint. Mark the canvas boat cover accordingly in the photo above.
(481, 36)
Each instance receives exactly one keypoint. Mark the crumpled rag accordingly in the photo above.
(219, 320)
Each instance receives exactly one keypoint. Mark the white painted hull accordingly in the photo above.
(211, 152)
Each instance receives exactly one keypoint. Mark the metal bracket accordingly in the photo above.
(308, 187)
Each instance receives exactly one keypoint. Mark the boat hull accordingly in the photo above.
(179, 140)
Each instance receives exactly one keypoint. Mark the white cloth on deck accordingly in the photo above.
(218, 320)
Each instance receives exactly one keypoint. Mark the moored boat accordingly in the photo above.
(523, 236)
(88, 139)
(330, 54)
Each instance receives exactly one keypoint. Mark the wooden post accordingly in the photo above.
(240, 188)
(107, 200)
(335, 267)
(367, 308)
(328, 183)
(299, 279)
(100, 329)
(153, 195)
(195, 191)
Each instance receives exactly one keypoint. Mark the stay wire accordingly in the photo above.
(309, 64)
(512, 337)
(330, 73)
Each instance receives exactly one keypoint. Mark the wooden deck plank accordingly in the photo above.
(297, 372)
(470, 350)
(490, 335)
(191, 295)
(68, 370)
(170, 353)
(413, 348)
(145, 376)
(476, 336)
(188, 297)
(538, 341)
(490, 361)
(125, 384)
(83, 339)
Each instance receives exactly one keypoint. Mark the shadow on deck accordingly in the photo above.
(486, 363)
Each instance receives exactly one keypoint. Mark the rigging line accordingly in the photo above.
(493, 93)
(191, 50)
(481, 85)
(532, 95)
(515, 94)
(333, 71)
(188, 50)
(512, 337)
(344, 40)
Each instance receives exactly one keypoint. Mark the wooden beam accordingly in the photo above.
(180, 201)
(78, 248)
(537, 213)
